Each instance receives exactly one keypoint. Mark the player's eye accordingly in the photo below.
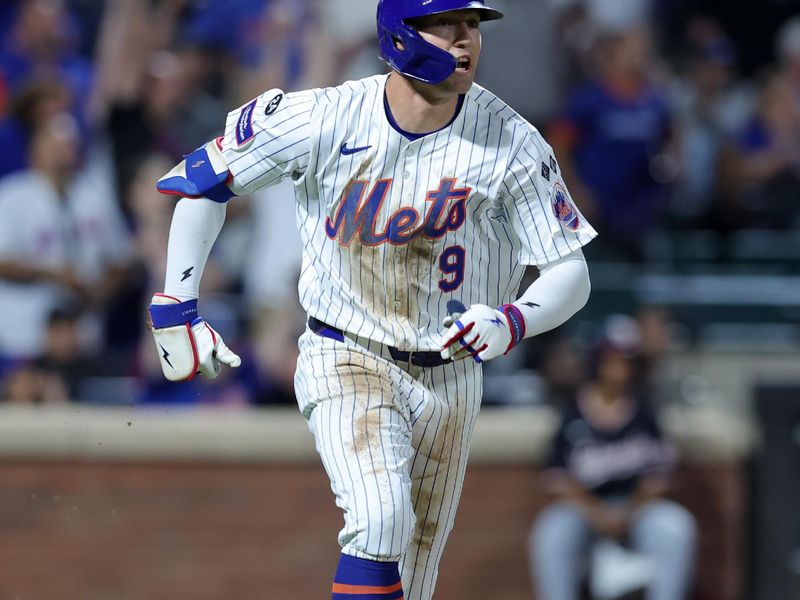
(473, 23)
(442, 22)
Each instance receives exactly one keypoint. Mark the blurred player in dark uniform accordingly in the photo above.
(609, 470)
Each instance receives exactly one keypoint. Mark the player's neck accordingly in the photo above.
(58, 178)
(417, 107)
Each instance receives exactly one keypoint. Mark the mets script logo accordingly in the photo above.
(564, 210)
(356, 215)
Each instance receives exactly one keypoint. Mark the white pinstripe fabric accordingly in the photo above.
(393, 437)
(394, 441)
(386, 292)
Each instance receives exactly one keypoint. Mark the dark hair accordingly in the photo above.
(619, 335)
(66, 313)
(26, 102)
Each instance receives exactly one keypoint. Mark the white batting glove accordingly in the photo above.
(186, 344)
(483, 332)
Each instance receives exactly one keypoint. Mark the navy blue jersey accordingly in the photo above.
(616, 137)
(611, 463)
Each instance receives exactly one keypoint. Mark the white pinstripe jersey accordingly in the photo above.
(392, 228)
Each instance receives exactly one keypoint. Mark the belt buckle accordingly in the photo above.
(411, 354)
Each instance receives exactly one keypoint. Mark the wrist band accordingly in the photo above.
(169, 315)
(516, 323)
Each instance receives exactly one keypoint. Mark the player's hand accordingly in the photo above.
(186, 344)
(609, 522)
(482, 332)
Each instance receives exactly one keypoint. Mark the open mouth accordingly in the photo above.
(463, 64)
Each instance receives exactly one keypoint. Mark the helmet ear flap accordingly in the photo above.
(418, 59)
(403, 48)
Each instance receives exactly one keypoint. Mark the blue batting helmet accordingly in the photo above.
(419, 59)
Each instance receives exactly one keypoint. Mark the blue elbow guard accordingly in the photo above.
(203, 173)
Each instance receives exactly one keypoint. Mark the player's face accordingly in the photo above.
(458, 33)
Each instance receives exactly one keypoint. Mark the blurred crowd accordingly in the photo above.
(661, 115)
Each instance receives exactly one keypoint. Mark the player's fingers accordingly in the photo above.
(456, 332)
(470, 352)
(210, 367)
(227, 357)
(460, 355)
(221, 351)
(456, 349)
(451, 318)
(460, 352)
(484, 353)
(472, 343)
(474, 350)
(462, 349)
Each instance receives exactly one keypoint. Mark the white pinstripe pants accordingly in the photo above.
(394, 440)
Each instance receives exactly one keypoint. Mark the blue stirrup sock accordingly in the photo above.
(362, 579)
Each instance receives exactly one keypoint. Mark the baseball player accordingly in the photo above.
(415, 191)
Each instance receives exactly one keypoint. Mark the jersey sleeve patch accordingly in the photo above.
(249, 120)
(244, 125)
(273, 104)
(563, 208)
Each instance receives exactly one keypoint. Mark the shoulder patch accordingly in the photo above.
(273, 104)
(553, 165)
(546, 172)
(563, 208)
(244, 125)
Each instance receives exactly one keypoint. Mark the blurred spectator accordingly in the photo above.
(23, 382)
(563, 369)
(656, 331)
(611, 144)
(578, 25)
(150, 97)
(276, 315)
(151, 214)
(64, 358)
(609, 470)
(787, 49)
(60, 237)
(34, 103)
(350, 31)
(764, 174)
(42, 46)
(524, 46)
(711, 106)
(154, 116)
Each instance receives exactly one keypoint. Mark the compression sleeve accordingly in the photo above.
(561, 290)
(196, 223)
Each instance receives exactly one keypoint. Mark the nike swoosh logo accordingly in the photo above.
(347, 151)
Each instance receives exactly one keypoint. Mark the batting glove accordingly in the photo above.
(186, 344)
(483, 332)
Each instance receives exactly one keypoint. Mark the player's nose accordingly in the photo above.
(462, 35)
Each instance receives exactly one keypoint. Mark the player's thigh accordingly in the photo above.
(356, 404)
(443, 416)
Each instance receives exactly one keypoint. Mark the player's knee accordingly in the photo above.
(385, 533)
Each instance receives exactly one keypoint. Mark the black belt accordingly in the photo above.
(428, 358)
